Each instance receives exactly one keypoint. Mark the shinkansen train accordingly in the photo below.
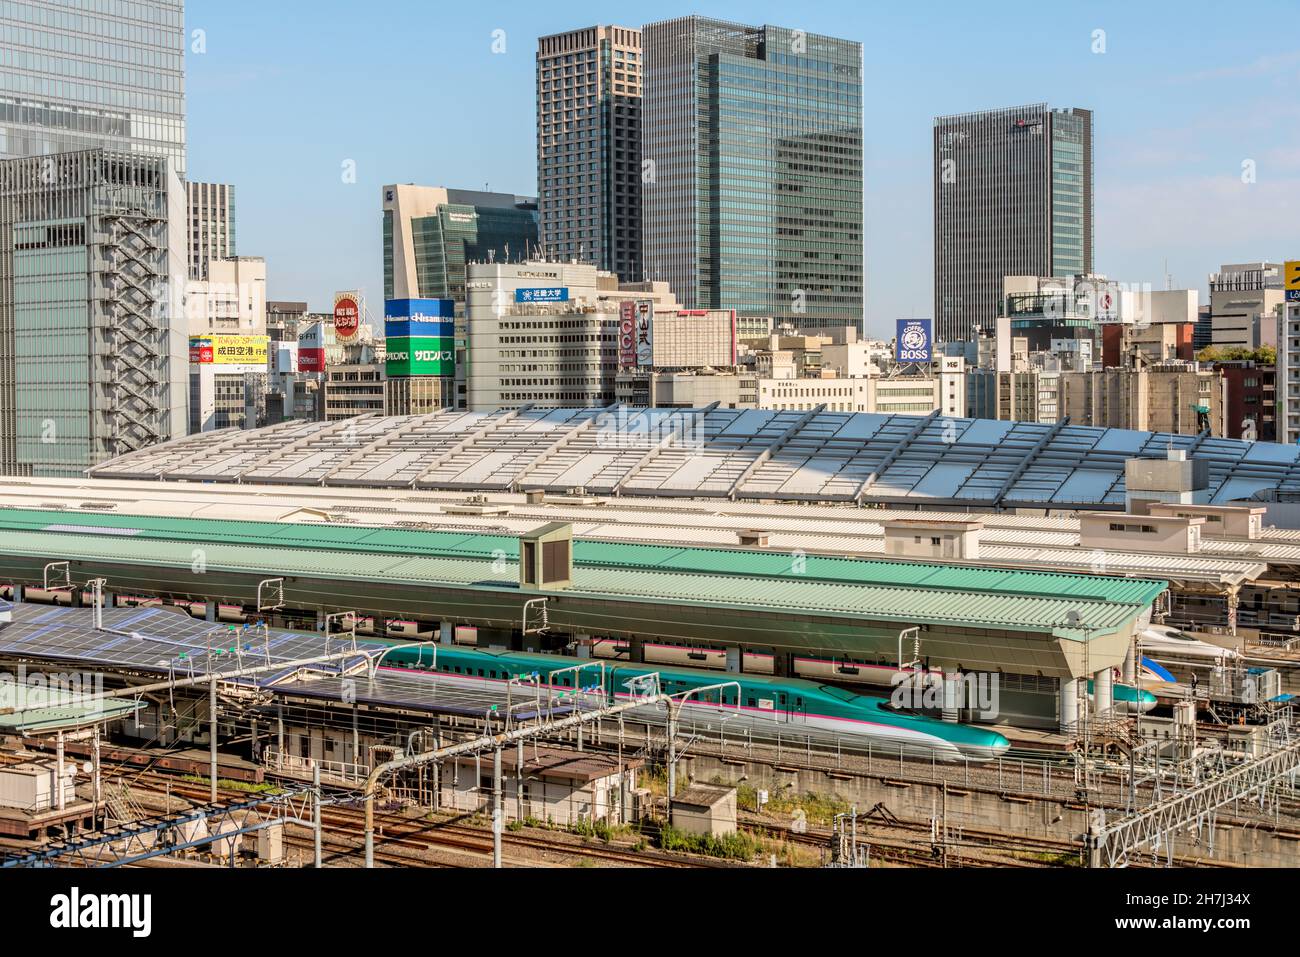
(1126, 699)
(758, 701)
(1129, 700)
(1170, 644)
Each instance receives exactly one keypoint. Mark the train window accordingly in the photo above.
(480, 672)
(749, 702)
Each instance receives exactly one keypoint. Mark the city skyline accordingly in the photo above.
(1179, 108)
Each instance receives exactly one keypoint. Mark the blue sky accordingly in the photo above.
(1184, 94)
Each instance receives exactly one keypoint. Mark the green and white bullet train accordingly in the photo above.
(761, 703)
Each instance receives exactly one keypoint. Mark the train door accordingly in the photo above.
(792, 708)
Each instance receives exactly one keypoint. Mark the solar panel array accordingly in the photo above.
(161, 641)
(715, 453)
(171, 644)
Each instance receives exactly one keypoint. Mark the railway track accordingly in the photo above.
(398, 832)
(407, 842)
(1002, 850)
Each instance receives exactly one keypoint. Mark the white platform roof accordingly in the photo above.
(714, 453)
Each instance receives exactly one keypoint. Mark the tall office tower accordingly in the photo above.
(93, 346)
(82, 74)
(430, 234)
(752, 139)
(211, 212)
(1013, 196)
(589, 148)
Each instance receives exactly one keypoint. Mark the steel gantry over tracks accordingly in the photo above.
(1157, 827)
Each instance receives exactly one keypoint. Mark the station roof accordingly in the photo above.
(666, 575)
(714, 453)
(1007, 540)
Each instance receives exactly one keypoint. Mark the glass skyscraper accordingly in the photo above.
(93, 348)
(753, 141)
(80, 74)
(1013, 196)
(431, 233)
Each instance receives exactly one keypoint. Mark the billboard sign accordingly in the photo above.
(200, 352)
(420, 356)
(420, 309)
(915, 341)
(230, 350)
(1291, 273)
(311, 349)
(627, 335)
(420, 319)
(560, 294)
(645, 333)
(347, 316)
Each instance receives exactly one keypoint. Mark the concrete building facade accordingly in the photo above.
(211, 225)
(1178, 398)
(520, 350)
(1288, 369)
(1244, 303)
(231, 301)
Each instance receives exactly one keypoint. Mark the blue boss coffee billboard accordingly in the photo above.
(915, 340)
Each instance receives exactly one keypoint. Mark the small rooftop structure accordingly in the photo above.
(546, 557)
(920, 538)
(1221, 521)
(705, 809)
(1175, 479)
(557, 785)
(1172, 534)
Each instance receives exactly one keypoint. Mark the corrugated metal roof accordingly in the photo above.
(374, 541)
(1022, 601)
